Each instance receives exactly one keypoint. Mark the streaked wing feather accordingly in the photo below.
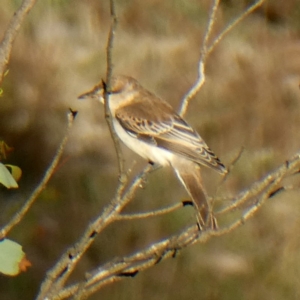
(171, 133)
(136, 120)
(200, 155)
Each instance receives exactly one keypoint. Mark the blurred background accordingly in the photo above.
(251, 99)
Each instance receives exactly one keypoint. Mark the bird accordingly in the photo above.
(150, 126)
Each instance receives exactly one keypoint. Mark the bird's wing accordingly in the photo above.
(162, 127)
(185, 141)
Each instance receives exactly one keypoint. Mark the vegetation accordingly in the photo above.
(250, 100)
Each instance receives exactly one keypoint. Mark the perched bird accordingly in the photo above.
(150, 127)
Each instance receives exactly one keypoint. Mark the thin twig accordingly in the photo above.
(142, 259)
(107, 89)
(11, 33)
(206, 51)
(53, 286)
(119, 268)
(203, 54)
(224, 178)
(19, 215)
(230, 167)
(235, 160)
(261, 185)
(239, 206)
(252, 210)
(233, 24)
(57, 276)
(148, 214)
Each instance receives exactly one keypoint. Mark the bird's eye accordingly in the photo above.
(116, 91)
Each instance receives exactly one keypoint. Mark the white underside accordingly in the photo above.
(149, 152)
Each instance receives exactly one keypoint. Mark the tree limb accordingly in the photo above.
(19, 215)
(11, 33)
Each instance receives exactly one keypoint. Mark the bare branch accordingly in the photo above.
(11, 33)
(205, 50)
(252, 210)
(19, 215)
(128, 266)
(149, 214)
(230, 167)
(203, 54)
(233, 24)
(109, 71)
(258, 187)
(58, 275)
(110, 41)
(123, 267)
(54, 286)
(235, 160)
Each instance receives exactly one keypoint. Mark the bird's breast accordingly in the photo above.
(148, 151)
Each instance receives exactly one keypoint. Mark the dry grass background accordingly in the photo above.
(251, 98)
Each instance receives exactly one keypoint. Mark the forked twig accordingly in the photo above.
(261, 185)
(128, 266)
(233, 24)
(54, 285)
(64, 267)
(206, 50)
(59, 274)
(203, 54)
(19, 215)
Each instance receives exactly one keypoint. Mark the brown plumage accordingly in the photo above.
(150, 127)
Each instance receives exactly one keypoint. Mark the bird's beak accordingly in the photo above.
(86, 95)
(95, 93)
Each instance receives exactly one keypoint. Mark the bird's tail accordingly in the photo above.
(192, 181)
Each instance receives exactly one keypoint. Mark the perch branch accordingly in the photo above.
(57, 276)
(107, 89)
(128, 266)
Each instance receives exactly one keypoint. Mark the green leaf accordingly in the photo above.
(6, 178)
(12, 258)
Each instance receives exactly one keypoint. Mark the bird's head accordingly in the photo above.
(118, 85)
